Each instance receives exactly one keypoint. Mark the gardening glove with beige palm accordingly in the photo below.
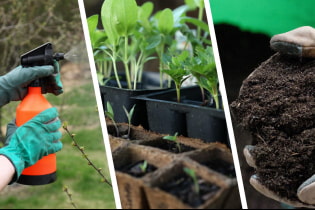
(305, 193)
(299, 42)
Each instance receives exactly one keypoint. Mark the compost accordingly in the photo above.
(182, 187)
(277, 105)
(136, 171)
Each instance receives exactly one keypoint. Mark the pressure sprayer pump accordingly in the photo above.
(44, 171)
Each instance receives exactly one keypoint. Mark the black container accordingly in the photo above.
(119, 97)
(188, 118)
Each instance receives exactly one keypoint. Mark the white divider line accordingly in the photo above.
(99, 104)
(226, 105)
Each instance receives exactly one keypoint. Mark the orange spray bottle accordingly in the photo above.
(44, 171)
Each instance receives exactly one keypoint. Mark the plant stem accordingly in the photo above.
(161, 64)
(116, 128)
(200, 16)
(215, 97)
(104, 179)
(137, 65)
(113, 57)
(178, 92)
(126, 63)
(196, 185)
(202, 94)
(178, 146)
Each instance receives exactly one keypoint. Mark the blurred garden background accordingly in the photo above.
(24, 25)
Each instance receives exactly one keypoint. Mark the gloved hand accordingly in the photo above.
(306, 191)
(52, 83)
(30, 142)
(13, 85)
(299, 42)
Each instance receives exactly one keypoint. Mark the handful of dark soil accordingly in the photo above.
(277, 105)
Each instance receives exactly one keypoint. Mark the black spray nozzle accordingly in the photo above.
(40, 56)
(59, 56)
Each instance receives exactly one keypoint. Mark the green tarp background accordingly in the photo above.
(264, 16)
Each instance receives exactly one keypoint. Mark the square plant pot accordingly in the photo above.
(136, 133)
(183, 145)
(168, 188)
(188, 118)
(116, 143)
(218, 158)
(130, 178)
(141, 136)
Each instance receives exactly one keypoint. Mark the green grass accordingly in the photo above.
(77, 106)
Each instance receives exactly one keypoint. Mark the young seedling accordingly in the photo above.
(144, 166)
(203, 68)
(174, 139)
(129, 116)
(110, 114)
(192, 174)
(119, 19)
(177, 70)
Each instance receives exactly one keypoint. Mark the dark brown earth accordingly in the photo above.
(220, 166)
(277, 105)
(182, 187)
(136, 171)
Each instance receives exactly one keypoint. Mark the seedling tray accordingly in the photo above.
(188, 118)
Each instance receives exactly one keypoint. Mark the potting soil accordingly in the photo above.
(220, 166)
(169, 146)
(277, 105)
(136, 171)
(182, 187)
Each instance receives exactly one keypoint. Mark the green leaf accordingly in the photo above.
(178, 13)
(92, 22)
(165, 21)
(110, 115)
(130, 113)
(125, 16)
(110, 110)
(171, 138)
(191, 4)
(100, 77)
(153, 41)
(109, 20)
(190, 172)
(144, 166)
(144, 13)
(150, 58)
(196, 22)
(176, 74)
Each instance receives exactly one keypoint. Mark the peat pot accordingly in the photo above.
(130, 178)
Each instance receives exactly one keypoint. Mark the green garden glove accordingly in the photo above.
(305, 193)
(33, 140)
(52, 83)
(13, 85)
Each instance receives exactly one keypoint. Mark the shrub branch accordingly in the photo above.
(66, 190)
(81, 149)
